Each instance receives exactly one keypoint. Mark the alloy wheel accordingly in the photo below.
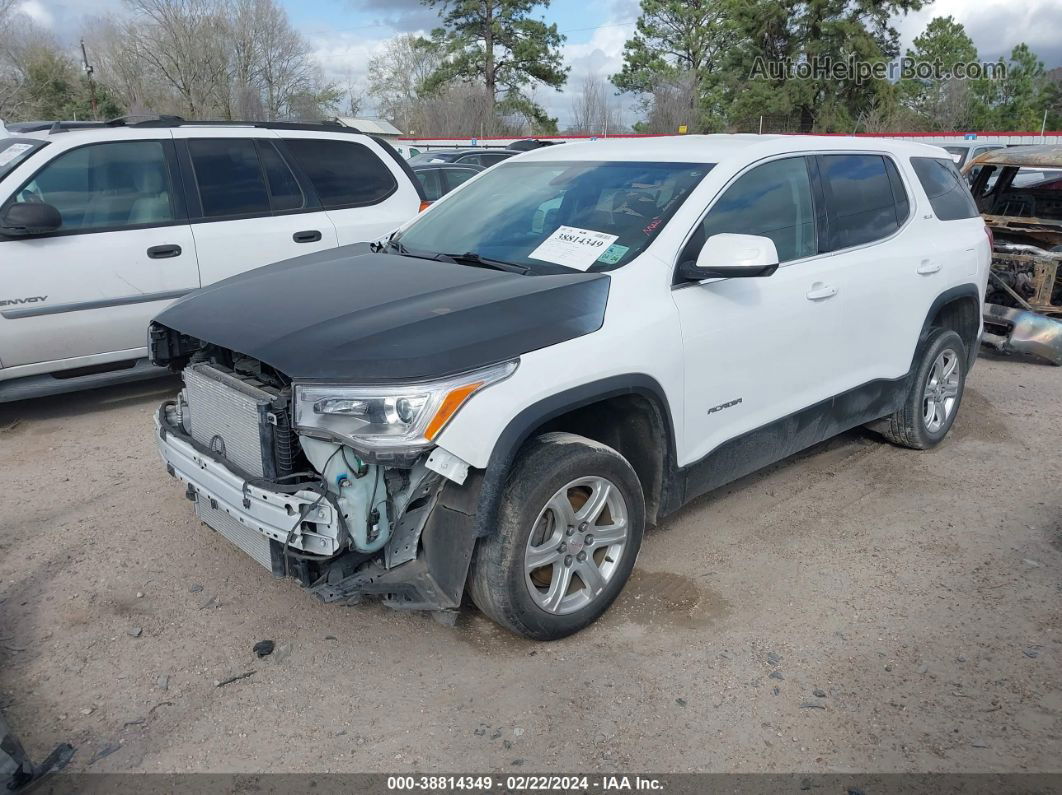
(576, 545)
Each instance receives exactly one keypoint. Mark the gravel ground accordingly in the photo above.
(857, 608)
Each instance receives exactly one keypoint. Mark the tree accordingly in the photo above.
(398, 75)
(1024, 94)
(946, 102)
(592, 112)
(824, 32)
(497, 44)
(672, 58)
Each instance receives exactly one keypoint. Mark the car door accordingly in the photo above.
(246, 206)
(882, 264)
(366, 193)
(759, 349)
(84, 294)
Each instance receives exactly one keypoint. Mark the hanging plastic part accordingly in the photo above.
(365, 512)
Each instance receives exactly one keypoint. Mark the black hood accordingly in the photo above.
(351, 315)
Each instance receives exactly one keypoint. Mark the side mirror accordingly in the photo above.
(29, 218)
(728, 256)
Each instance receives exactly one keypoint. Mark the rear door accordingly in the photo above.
(247, 207)
(884, 265)
(124, 250)
(363, 188)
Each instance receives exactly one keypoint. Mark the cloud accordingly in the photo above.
(36, 10)
(403, 16)
(600, 57)
(996, 26)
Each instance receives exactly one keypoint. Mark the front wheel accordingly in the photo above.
(934, 395)
(569, 529)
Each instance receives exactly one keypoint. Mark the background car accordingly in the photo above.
(475, 157)
(101, 227)
(438, 179)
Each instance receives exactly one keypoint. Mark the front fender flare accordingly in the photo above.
(521, 427)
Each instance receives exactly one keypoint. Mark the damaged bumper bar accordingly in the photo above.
(1024, 331)
(423, 566)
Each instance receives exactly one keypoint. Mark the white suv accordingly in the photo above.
(102, 226)
(564, 350)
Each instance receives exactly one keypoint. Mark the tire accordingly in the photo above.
(553, 601)
(913, 426)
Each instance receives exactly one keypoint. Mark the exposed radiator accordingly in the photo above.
(250, 541)
(236, 420)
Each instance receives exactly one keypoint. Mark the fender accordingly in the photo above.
(523, 424)
(957, 293)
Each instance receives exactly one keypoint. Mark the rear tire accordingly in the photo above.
(933, 398)
(572, 509)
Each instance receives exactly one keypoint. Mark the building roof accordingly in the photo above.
(374, 126)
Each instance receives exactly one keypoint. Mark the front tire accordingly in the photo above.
(569, 529)
(934, 396)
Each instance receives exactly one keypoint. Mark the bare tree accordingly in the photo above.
(593, 110)
(397, 77)
(183, 41)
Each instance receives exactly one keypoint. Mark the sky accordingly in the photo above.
(344, 34)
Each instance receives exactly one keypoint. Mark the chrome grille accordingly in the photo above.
(227, 416)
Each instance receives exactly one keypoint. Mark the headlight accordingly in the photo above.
(404, 418)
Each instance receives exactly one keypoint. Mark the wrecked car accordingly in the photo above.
(1019, 192)
(504, 393)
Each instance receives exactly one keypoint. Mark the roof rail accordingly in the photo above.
(177, 121)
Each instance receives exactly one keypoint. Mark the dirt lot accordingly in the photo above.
(858, 608)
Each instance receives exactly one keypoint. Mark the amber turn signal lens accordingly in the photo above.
(424, 206)
(449, 407)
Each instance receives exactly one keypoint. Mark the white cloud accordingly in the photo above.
(996, 26)
(35, 10)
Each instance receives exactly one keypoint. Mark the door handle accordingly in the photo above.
(927, 267)
(820, 291)
(308, 236)
(165, 251)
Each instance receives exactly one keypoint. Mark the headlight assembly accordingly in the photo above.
(401, 419)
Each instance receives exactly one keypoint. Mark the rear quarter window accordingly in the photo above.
(944, 186)
(344, 173)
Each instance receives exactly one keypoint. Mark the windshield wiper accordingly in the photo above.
(472, 258)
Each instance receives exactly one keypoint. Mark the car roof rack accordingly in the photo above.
(178, 121)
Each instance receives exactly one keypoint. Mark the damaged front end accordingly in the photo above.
(1019, 193)
(337, 486)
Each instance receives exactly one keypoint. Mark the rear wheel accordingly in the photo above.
(934, 396)
(570, 526)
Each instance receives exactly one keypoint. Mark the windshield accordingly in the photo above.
(542, 215)
(958, 153)
(14, 150)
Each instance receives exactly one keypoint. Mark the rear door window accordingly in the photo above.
(284, 191)
(344, 173)
(229, 177)
(861, 203)
(457, 176)
(944, 186)
(429, 180)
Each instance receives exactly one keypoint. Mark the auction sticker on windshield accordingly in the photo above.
(13, 151)
(573, 248)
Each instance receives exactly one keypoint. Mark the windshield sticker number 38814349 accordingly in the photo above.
(573, 248)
